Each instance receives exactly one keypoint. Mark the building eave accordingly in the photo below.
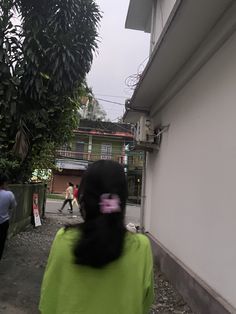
(139, 15)
(69, 163)
(183, 41)
(116, 135)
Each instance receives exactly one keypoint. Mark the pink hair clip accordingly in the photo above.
(110, 203)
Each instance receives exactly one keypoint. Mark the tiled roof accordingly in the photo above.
(107, 127)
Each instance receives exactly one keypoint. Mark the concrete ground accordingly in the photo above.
(22, 267)
(132, 211)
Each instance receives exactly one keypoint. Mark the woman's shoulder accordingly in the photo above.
(138, 240)
(68, 232)
(142, 237)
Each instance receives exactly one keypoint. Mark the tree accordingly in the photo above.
(89, 107)
(43, 61)
(10, 73)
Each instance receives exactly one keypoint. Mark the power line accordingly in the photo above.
(112, 102)
(113, 96)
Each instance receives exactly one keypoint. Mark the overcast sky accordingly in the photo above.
(120, 53)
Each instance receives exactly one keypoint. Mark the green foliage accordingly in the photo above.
(10, 64)
(41, 175)
(44, 156)
(10, 167)
(43, 63)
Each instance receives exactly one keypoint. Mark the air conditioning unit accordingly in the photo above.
(144, 131)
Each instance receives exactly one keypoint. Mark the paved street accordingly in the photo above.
(22, 268)
(132, 211)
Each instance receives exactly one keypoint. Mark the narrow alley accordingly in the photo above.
(22, 269)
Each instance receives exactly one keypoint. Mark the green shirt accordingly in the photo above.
(124, 286)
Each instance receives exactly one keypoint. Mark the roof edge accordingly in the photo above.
(224, 28)
(138, 15)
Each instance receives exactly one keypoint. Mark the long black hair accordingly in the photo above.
(102, 234)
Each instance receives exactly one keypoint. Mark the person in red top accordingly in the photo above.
(76, 195)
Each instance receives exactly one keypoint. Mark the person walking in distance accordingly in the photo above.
(69, 197)
(98, 266)
(7, 202)
(76, 195)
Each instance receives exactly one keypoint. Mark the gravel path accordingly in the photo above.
(167, 299)
(22, 269)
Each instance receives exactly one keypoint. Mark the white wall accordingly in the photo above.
(161, 12)
(192, 205)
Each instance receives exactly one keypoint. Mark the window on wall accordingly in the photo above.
(80, 150)
(106, 151)
(65, 150)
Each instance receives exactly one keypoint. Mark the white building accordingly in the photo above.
(189, 84)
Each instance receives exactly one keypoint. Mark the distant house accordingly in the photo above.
(189, 84)
(93, 140)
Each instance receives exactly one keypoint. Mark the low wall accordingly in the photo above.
(22, 214)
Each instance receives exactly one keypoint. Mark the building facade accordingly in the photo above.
(189, 85)
(93, 140)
